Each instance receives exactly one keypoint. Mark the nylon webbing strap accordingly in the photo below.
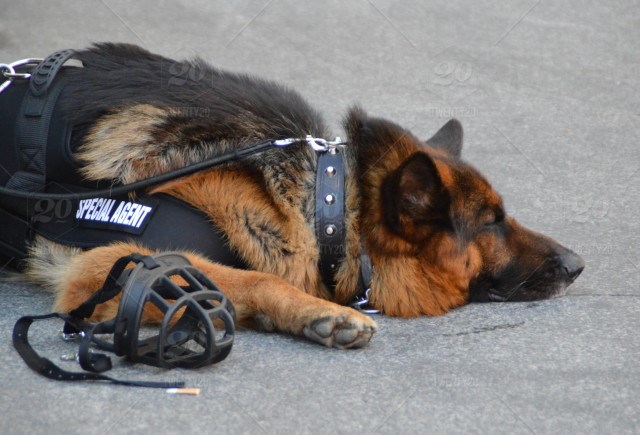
(74, 323)
(33, 123)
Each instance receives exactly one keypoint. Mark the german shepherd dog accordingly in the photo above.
(436, 232)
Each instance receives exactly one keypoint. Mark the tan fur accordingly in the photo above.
(433, 282)
(231, 198)
(260, 299)
(431, 223)
(120, 143)
(123, 146)
(47, 263)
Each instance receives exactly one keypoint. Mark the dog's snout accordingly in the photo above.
(572, 264)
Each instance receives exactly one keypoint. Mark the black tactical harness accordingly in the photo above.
(42, 193)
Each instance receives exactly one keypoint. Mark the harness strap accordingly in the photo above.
(175, 225)
(34, 120)
(360, 300)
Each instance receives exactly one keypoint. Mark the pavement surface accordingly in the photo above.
(548, 92)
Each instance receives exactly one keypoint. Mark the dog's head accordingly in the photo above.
(437, 233)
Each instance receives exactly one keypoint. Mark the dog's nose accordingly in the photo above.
(572, 264)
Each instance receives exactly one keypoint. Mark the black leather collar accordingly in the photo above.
(330, 211)
(331, 228)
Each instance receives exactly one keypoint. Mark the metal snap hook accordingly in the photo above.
(316, 143)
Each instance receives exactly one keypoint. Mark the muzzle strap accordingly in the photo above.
(109, 290)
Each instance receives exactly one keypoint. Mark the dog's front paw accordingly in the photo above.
(345, 330)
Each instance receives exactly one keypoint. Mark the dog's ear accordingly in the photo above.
(354, 123)
(415, 196)
(449, 138)
(369, 134)
(379, 143)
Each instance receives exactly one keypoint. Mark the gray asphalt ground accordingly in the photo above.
(548, 92)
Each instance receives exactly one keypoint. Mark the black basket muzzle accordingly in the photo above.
(187, 337)
(196, 327)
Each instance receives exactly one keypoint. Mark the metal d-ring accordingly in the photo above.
(6, 69)
(9, 71)
(363, 302)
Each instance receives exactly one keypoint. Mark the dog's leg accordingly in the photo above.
(261, 300)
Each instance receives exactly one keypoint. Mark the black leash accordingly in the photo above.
(94, 363)
(152, 181)
(48, 369)
(190, 311)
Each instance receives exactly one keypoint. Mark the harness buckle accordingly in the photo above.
(316, 143)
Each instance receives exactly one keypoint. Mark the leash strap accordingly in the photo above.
(147, 182)
(94, 363)
(48, 369)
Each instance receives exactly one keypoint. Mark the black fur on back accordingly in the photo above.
(205, 103)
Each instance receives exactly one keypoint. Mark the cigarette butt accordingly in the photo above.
(187, 391)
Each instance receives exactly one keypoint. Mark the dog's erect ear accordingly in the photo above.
(449, 138)
(377, 138)
(419, 187)
(415, 192)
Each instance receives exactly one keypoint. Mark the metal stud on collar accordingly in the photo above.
(330, 199)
